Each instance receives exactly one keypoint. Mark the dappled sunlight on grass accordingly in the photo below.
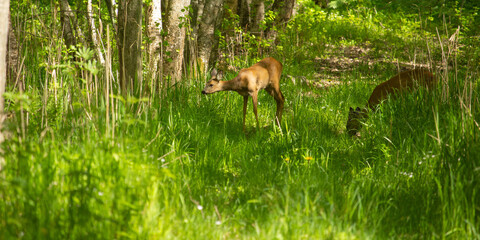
(180, 167)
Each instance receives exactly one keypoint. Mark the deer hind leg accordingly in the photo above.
(245, 101)
(255, 102)
(278, 96)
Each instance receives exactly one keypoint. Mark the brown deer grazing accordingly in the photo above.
(249, 81)
(404, 81)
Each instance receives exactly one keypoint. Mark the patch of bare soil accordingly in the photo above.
(345, 59)
(318, 83)
(329, 69)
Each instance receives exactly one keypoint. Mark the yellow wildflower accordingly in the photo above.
(308, 158)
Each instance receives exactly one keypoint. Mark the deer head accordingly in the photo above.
(353, 123)
(214, 84)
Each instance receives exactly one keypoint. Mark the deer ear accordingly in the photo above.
(220, 75)
(214, 72)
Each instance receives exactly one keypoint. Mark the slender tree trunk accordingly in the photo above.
(207, 42)
(129, 44)
(94, 35)
(4, 11)
(173, 57)
(154, 29)
(12, 58)
(111, 13)
(218, 26)
(66, 16)
(191, 48)
(76, 14)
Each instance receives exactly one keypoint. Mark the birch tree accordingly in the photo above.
(175, 37)
(4, 11)
(154, 30)
(94, 35)
(207, 42)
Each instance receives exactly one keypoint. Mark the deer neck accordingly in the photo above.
(232, 85)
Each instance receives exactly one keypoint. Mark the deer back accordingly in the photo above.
(404, 81)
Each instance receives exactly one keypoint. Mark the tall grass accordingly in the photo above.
(179, 165)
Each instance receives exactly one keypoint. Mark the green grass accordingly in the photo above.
(307, 180)
(182, 168)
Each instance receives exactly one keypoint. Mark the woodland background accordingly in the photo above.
(104, 133)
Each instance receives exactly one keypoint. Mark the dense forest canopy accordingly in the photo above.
(104, 132)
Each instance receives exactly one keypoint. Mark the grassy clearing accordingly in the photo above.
(201, 177)
(182, 167)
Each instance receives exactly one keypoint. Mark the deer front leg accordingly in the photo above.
(255, 102)
(245, 101)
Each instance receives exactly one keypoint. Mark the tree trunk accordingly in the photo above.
(322, 3)
(4, 11)
(66, 17)
(111, 13)
(232, 5)
(12, 58)
(154, 29)
(244, 12)
(94, 35)
(257, 10)
(191, 48)
(286, 10)
(197, 12)
(175, 37)
(207, 42)
(129, 45)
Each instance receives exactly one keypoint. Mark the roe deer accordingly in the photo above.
(404, 81)
(249, 81)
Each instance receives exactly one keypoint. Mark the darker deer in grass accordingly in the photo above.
(405, 81)
(249, 81)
